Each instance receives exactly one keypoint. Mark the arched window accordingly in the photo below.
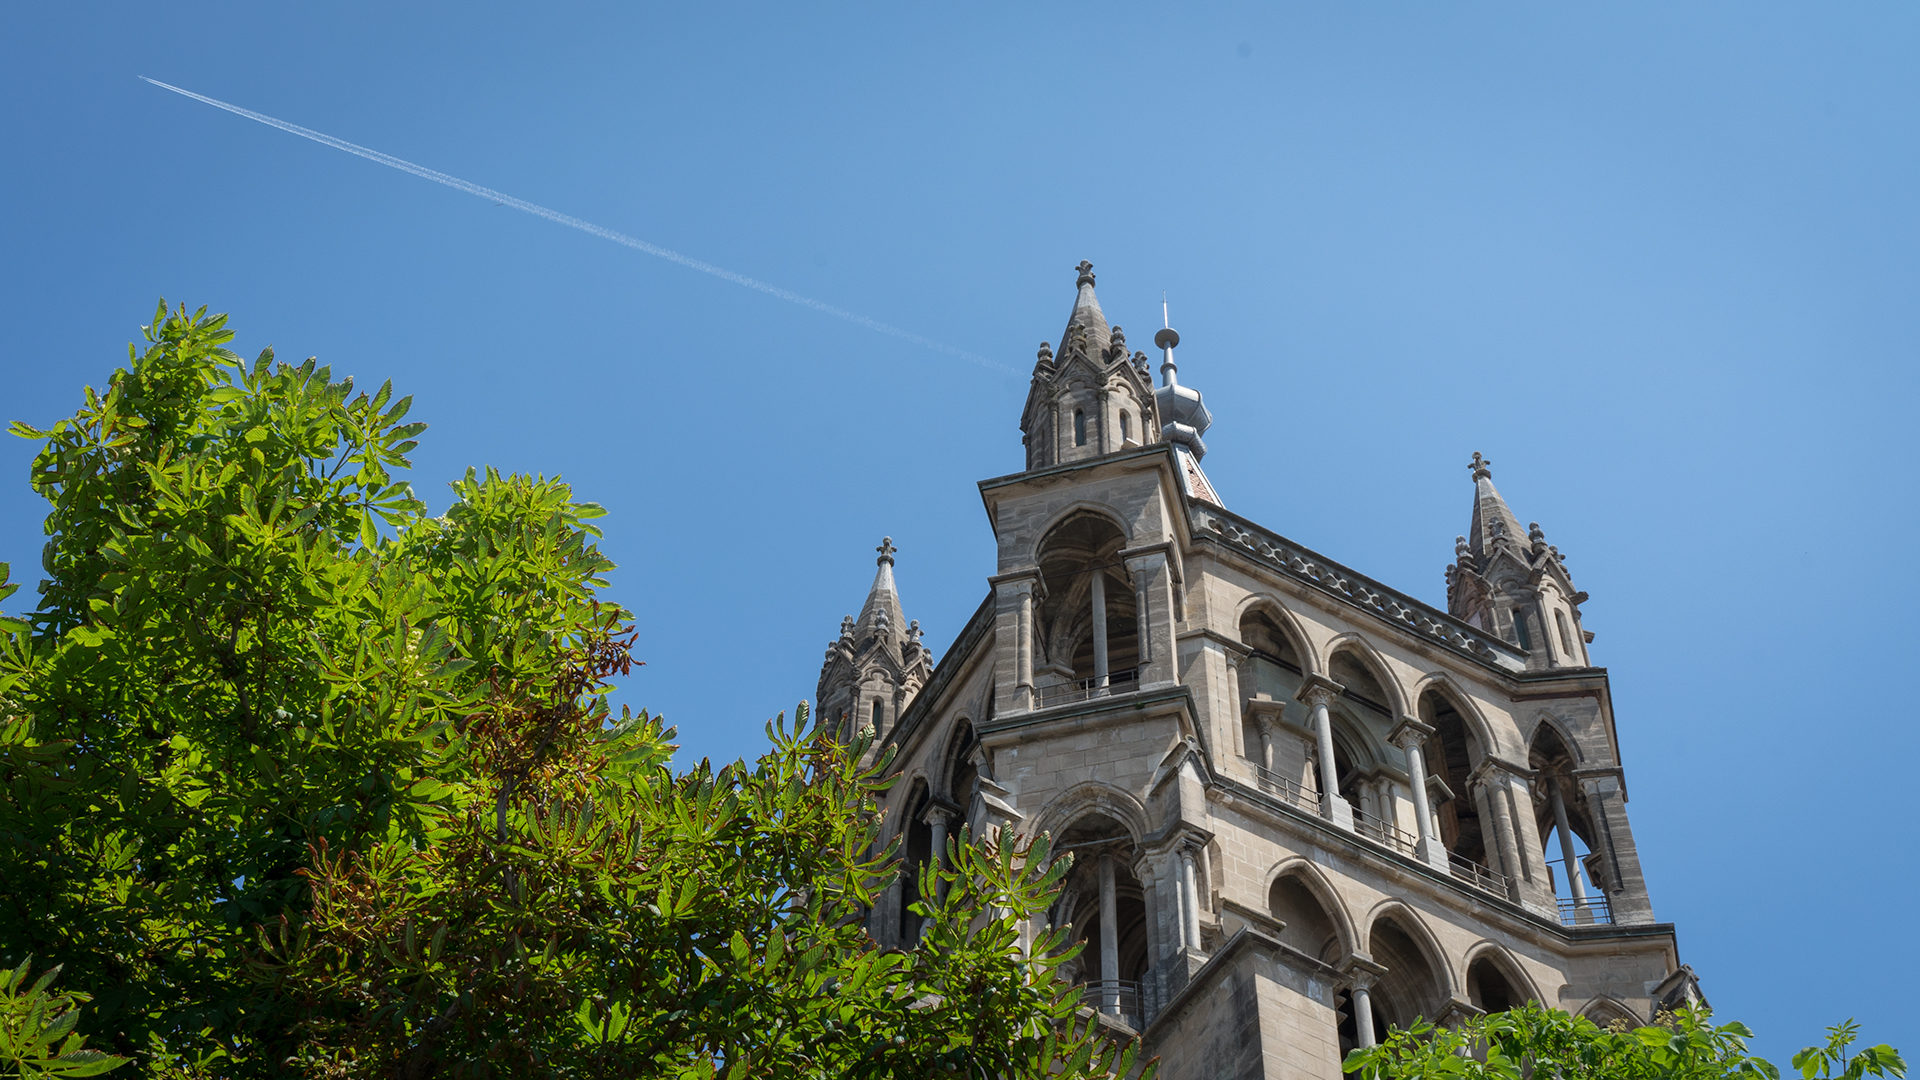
(1452, 752)
(1411, 988)
(875, 721)
(1079, 428)
(1113, 966)
(1566, 639)
(1126, 428)
(1086, 628)
(1520, 629)
(1489, 988)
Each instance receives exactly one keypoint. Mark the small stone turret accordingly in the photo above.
(1513, 583)
(876, 665)
(1092, 397)
(1183, 416)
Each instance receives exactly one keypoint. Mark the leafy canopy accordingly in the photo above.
(295, 775)
(1532, 1041)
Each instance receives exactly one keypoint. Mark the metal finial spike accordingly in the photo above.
(1164, 323)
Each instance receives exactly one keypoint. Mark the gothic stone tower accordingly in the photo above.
(1303, 806)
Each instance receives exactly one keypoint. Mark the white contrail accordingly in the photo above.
(589, 228)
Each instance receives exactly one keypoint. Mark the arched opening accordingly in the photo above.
(916, 850)
(1079, 428)
(1113, 966)
(1566, 831)
(1489, 988)
(1451, 753)
(1271, 671)
(1521, 634)
(1126, 428)
(1087, 622)
(1305, 922)
(1566, 639)
(1412, 987)
(1363, 686)
(962, 773)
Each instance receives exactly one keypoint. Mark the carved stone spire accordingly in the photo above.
(877, 664)
(1509, 580)
(1090, 397)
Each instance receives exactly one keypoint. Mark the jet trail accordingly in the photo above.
(589, 228)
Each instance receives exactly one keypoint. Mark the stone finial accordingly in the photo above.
(913, 631)
(1086, 273)
(1118, 338)
(1535, 533)
(846, 627)
(1482, 467)
(1460, 552)
(886, 550)
(1045, 355)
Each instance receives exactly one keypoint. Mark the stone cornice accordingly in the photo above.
(1354, 589)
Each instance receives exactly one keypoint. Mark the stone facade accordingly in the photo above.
(1303, 806)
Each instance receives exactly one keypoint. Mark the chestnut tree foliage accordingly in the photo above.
(296, 777)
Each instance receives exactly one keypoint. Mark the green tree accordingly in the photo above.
(294, 774)
(1535, 1041)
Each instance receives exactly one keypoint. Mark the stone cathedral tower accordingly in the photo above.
(1304, 806)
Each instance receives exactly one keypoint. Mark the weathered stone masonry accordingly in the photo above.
(1303, 806)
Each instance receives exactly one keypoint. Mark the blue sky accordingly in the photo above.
(1657, 262)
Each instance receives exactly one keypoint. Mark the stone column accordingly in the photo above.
(1189, 900)
(1023, 643)
(1235, 661)
(1266, 743)
(1411, 735)
(1143, 611)
(1109, 941)
(938, 818)
(1574, 888)
(1361, 975)
(1152, 578)
(1098, 587)
(1318, 692)
(1489, 785)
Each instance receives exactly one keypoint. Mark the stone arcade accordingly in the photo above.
(1304, 806)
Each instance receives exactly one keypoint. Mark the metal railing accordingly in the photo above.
(1592, 911)
(1122, 681)
(1118, 998)
(1290, 791)
(1479, 876)
(1385, 832)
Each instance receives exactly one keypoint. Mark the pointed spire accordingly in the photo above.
(1493, 521)
(881, 615)
(1087, 320)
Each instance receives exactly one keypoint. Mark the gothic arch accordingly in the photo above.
(1302, 645)
(1300, 868)
(1546, 721)
(1088, 797)
(1439, 682)
(1075, 509)
(1401, 992)
(1510, 969)
(1604, 1010)
(960, 740)
(1413, 926)
(1369, 661)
